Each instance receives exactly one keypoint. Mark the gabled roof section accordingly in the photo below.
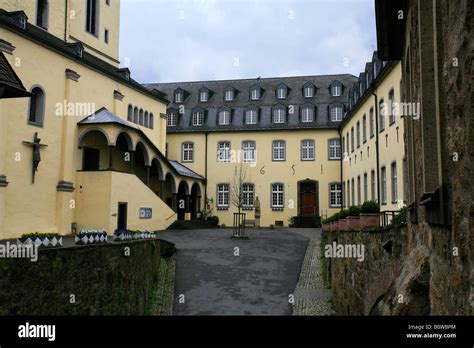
(184, 171)
(102, 116)
(10, 84)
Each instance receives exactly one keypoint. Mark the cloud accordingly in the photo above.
(188, 40)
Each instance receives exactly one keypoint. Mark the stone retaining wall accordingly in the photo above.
(99, 278)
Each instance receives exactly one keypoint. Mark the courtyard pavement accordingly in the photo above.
(214, 281)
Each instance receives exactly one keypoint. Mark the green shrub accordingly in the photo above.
(213, 220)
(401, 217)
(370, 207)
(343, 213)
(41, 235)
(354, 210)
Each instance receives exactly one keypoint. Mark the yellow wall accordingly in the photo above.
(363, 159)
(62, 158)
(100, 193)
(323, 170)
(109, 17)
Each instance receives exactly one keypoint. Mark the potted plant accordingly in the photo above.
(41, 240)
(343, 214)
(335, 222)
(91, 237)
(353, 219)
(370, 214)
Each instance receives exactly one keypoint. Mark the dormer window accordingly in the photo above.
(281, 92)
(336, 91)
(251, 116)
(307, 114)
(308, 90)
(198, 118)
(178, 97)
(336, 113)
(229, 95)
(255, 93)
(203, 96)
(172, 119)
(22, 21)
(279, 115)
(224, 117)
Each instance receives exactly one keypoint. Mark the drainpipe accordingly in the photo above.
(65, 19)
(205, 171)
(377, 144)
(341, 170)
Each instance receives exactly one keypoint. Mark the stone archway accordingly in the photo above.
(183, 200)
(195, 201)
(95, 150)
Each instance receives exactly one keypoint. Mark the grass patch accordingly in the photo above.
(162, 294)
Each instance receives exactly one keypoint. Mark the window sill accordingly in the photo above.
(307, 159)
(277, 208)
(222, 208)
(247, 208)
(40, 125)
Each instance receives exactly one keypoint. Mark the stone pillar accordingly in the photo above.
(187, 211)
(132, 161)
(111, 156)
(174, 205)
(162, 189)
(147, 178)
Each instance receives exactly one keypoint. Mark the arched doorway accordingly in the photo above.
(183, 200)
(308, 203)
(156, 177)
(169, 191)
(122, 153)
(95, 150)
(140, 163)
(195, 201)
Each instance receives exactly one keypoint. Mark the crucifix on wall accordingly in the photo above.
(35, 144)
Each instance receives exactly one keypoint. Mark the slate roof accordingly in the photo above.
(322, 100)
(183, 170)
(102, 116)
(9, 20)
(10, 84)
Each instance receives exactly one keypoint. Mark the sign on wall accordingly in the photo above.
(145, 213)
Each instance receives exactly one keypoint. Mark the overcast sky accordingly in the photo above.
(191, 40)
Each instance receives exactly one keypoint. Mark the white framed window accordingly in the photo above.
(307, 114)
(372, 185)
(92, 17)
(308, 92)
(279, 150)
(352, 192)
(188, 152)
(382, 112)
(224, 117)
(336, 113)
(172, 119)
(198, 118)
(383, 174)
(281, 93)
(203, 96)
(391, 105)
(366, 188)
(278, 116)
(229, 95)
(307, 150)
(359, 196)
(335, 195)
(255, 94)
(251, 117)
(277, 196)
(336, 91)
(36, 112)
(249, 151)
(371, 122)
(223, 151)
(394, 182)
(334, 149)
(223, 195)
(248, 194)
(352, 140)
(364, 128)
(178, 97)
(358, 134)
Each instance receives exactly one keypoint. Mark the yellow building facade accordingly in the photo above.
(373, 137)
(85, 151)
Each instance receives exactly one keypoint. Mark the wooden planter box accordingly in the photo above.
(353, 223)
(368, 220)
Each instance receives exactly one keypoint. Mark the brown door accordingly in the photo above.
(308, 201)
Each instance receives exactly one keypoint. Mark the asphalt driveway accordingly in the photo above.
(214, 281)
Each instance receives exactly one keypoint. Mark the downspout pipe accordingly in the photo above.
(205, 170)
(339, 130)
(377, 157)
